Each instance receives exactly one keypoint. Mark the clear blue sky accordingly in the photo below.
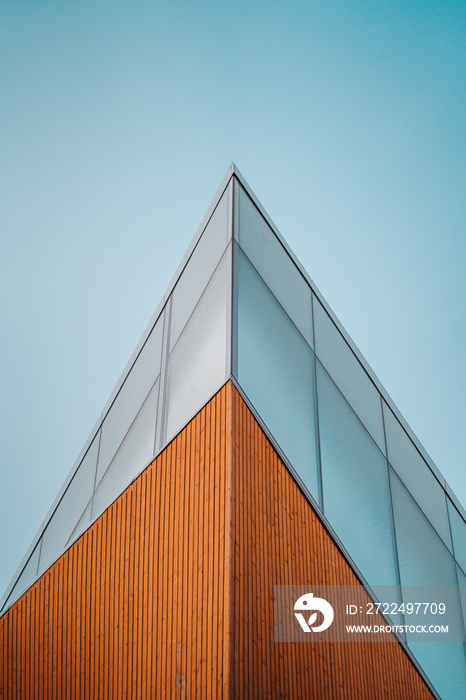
(118, 121)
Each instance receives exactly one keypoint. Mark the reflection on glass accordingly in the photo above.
(197, 364)
(424, 560)
(462, 584)
(130, 397)
(355, 485)
(443, 663)
(416, 475)
(347, 373)
(69, 510)
(276, 371)
(458, 531)
(199, 269)
(135, 452)
(274, 265)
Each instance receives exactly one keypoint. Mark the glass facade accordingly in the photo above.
(328, 415)
(416, 476)
(458, 533)
(275, 367)
(355, 485)
(241, 307)
(425, 561)
(70, 508)
(196, 364)
(347, 373)
(273, 264)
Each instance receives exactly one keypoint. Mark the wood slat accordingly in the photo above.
(279, 540)
(170, 592)
(134, 608)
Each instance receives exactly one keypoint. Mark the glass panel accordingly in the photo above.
(274, 265)
(462, 585)
(416, 475)
(83, 523)
(135, 452)
(424, 560)
(70, 508)
(276, 370)
(197, 364)
(443, 663)
(131, 397)
(458, 531)
(355, 486)
(347, 373)
(27, 577)
(199, 269)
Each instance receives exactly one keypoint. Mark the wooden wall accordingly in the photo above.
(278, 540)
(169, 594)
(136, 608)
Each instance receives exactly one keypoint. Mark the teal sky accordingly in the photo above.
(118, 121)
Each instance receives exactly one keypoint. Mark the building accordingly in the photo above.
(246, 446)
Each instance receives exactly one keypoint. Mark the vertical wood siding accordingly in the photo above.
(278, 540)
(169, 594)
(136, 608)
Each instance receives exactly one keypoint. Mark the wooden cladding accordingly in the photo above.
(169, 594)
(136, 608)
(279, 540)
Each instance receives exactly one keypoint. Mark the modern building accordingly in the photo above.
(247, 446)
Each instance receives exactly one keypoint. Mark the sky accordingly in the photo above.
(118, 121)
